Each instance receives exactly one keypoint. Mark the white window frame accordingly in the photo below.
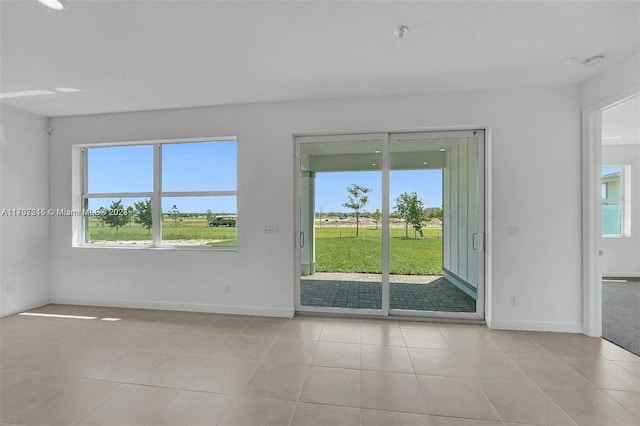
(623, 201)
(81, 193)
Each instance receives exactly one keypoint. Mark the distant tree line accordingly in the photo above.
(141, 213)
(116, 216)
(408, 207)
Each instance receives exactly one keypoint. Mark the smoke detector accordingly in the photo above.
(401, 31)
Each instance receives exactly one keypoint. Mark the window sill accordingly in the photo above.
(162, 248)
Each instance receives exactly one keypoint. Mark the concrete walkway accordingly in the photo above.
(354, 276)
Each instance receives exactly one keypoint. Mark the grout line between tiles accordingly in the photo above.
(540, 389)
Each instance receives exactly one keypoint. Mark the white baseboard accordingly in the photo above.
(173, 306)
(36, 303)
(560, 327)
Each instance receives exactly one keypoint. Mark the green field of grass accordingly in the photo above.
(189, 228)
(337, 250)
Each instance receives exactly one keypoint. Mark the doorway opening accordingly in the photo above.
(619, 222)
(392, 223)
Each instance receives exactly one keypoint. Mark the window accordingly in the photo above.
(178, 193)
(615, 206)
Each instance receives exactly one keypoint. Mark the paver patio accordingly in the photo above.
(364, 291)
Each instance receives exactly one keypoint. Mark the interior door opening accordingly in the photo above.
(619, 241)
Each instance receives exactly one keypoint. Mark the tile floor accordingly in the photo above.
(177, 368)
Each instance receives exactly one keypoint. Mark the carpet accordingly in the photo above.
(621, 313)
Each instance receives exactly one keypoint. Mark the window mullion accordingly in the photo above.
(84, 162)
(199, 193)
(119, 195)
(85, 172)
(623, 232)
(156, 202)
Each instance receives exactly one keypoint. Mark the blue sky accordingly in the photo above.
(606, 170)
(331, 188)
(185, 167)
(211, 167)
(610, 169)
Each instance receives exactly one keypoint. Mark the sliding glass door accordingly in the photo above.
(340, 235)
(435, 225)
(391, 224)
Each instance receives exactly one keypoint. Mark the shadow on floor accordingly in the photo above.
(621, 313)
(438, 295)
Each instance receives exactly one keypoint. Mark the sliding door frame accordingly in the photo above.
(479, 314)
(300, 140)
(384, 137)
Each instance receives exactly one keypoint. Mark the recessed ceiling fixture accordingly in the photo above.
(25, 93)
(442, 150)
(594, 60)
(54, 4)
(425, 163)
(377, 151)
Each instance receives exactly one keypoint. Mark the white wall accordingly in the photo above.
(622, 255)
(618, 81)
(24, 241)
(540, 266)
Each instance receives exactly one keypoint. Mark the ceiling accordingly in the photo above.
(357, 155)
(147, 55)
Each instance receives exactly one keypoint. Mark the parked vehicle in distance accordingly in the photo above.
(222, 221)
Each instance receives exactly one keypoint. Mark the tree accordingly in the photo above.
(116, 216)
(434, 212)
(210, 216)
(416, 214)
(358, 198)
(130, 215)
(101, 215)
(376, 216)
(402, 210)
(411, 209)
(175, 215)
(144, 214)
